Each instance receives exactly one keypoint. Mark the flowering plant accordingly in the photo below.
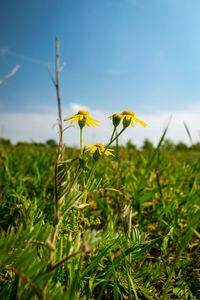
(98, 150)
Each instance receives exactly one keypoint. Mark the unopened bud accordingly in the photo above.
(116, 119)
(96, 155)
(82, 122)
(126, 122)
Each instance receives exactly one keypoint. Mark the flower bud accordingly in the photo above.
(96, 155)
(126, 122)
(116, 119)
(82, 122)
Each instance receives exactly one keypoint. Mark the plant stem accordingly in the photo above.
(81, 140)
(113, 134)
(56, 195)
(130, 220)
(58, 88)
(52, 267)
(36, 289)
(111, 141)
(84, 190)
(96, 162)
(91, 173)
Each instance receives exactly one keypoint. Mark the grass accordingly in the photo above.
(137, 239)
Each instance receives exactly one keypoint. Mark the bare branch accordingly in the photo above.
(62, 66)
(112, 190)
(14, 70)
(51, 76)
(64, 260)
(67, 127)
(57, 82)
(37, 290)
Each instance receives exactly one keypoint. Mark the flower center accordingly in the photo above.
(83, 112)
(128, 113)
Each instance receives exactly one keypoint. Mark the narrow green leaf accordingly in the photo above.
(96, 260)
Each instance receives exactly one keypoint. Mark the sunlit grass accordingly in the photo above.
(138, 238)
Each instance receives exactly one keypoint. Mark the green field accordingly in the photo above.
(137, 239)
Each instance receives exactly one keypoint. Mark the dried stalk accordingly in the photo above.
(60, 148)
(56, 83)
(64, 260)
(37, 290)
(60, 145)
(58, 86)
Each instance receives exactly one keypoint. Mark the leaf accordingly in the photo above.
(96, 260)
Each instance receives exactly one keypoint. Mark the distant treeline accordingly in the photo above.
(167, 145)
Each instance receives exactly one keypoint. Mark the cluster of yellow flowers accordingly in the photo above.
(83, 118)
(127, 117)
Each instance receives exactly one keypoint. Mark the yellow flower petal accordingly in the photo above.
(95, 120)
(89, 123)
(93, 149)
(69, 118)
(90, 146)
(93, 123)
(140, 122)
(107, 152)
(74, 121)
(132, 124)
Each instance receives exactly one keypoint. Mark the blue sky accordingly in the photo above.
(139, 55)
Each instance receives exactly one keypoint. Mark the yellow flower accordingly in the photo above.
(116, 119)
(99, 148)
(128, 117)
(83, 118)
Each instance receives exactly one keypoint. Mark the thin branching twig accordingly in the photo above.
(52, 267)
(60, 145)
(36, 289)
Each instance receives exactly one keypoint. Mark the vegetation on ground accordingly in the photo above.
(138, 237)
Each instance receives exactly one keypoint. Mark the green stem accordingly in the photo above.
(81, 140)
(85, 196)
(112, 134)
(112, 140)
(84, 190)
(88, 182)
(96, 163)
(91, 174)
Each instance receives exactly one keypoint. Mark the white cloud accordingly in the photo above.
(39, 127)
